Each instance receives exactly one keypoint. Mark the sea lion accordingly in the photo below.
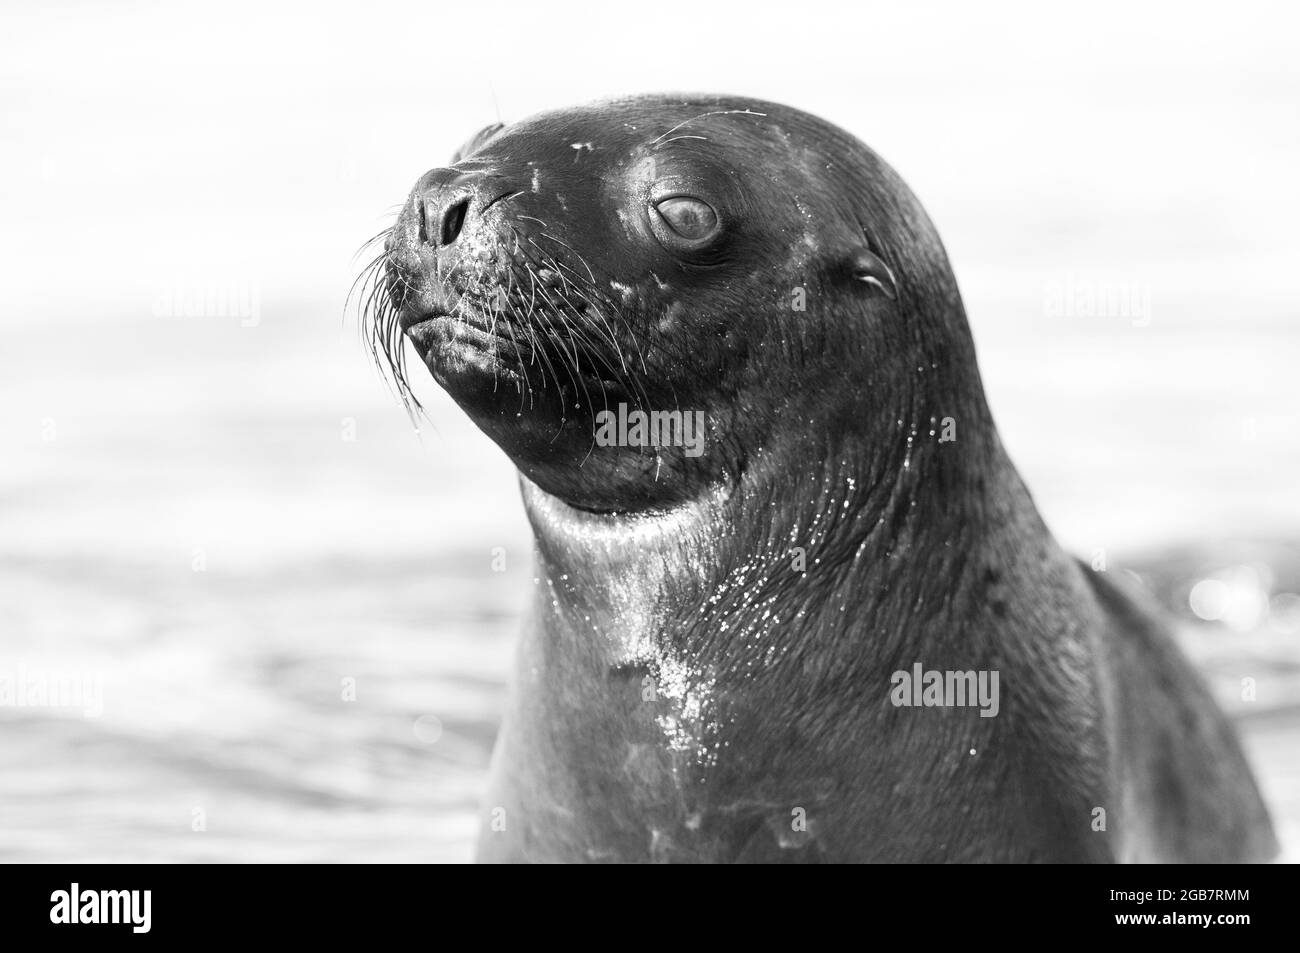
(748, 653)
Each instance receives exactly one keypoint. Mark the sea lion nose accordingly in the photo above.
(442, 215)
(445, 198)
(442, 201)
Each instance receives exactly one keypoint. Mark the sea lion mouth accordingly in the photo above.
(522, 336)
(440, 327)
(449, 341)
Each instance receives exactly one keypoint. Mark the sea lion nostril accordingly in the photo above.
(453, 220)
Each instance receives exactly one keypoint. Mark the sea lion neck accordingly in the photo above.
(854, 518)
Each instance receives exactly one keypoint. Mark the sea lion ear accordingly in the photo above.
(870, 268)
(476, 141)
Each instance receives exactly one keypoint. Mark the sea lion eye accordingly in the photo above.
(690, 218)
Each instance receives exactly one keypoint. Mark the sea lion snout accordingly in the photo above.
(454, 239)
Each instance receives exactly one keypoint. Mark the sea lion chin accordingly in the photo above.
(721, 341)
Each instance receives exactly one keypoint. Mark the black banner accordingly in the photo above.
(140, 904)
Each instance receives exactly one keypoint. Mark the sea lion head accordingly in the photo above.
(744, 266)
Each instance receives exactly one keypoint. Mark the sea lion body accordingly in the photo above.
(709, 669)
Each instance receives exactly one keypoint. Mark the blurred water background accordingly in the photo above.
(210, 502)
